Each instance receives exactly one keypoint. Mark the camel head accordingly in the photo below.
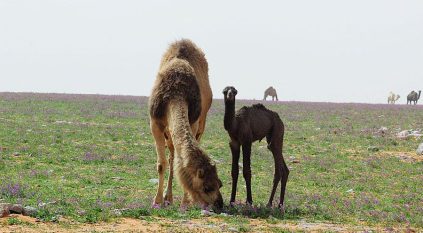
(229, 94)
(397, 97)
(201, 181)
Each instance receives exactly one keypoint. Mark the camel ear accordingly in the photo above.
(200, 173)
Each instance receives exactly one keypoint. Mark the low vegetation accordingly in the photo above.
(91, 158)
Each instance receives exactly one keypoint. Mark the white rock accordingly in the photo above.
(420, 149)
(153, 181)
(403, 134)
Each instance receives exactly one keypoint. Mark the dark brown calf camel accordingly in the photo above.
(246, 126)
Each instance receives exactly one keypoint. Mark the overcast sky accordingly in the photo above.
(337, 50)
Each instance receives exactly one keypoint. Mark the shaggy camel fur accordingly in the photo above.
(413, 97)
(247, 125)
(270, 92)
(392, 98)
(180, 100)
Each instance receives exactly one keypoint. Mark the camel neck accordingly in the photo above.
(179, 127)
(229, 114)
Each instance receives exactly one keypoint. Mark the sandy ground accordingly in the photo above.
(206, 224)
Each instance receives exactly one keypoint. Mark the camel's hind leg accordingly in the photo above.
(281, 170)
(169, 196)
(159, 139)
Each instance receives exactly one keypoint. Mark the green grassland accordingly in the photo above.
(91, 158)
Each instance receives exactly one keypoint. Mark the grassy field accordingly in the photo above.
(91, 159)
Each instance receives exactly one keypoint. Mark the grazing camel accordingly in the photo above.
(413, 97)
(179, 102)
(270, 92)
(392, 98)
(247, 125)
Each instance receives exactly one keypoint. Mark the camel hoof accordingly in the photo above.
(183, 208)
(155, 206)
(281, 208)
(168, 199)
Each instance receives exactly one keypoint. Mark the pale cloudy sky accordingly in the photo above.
(328, 50)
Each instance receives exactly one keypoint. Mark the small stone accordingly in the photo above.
(4, 209)
(232, 229)
(403, 134)
(207, 213)
(153, 181)
(29, 211)
(383, 130)
(117, 212)
(16, 209)
(16, 154)
(295, 161)
(420, 149)
(117, 178)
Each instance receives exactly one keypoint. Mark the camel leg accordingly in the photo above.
(246, 170)
(235, 149)
(169, 196)
(281, 170)
(185, 200)
(159, 139)
(285, 174)
(276, 176)
(277, 98)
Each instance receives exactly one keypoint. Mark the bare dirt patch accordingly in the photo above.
(409, 157)
(206, 224)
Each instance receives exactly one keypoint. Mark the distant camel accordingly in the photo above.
(413, 97)
(392, 98)
(179, 102)
(270, 92)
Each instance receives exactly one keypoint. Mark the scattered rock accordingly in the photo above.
(29, 211)
(207, 213)
(382, 130)
(4, 209)
(153, 181)
(16, 154)
(16, 209)
(420, 149)
(295, 161)
(232, 229)
(403, 134)
(43, 204)
(117, 178)
(117, 212)
(409, 133)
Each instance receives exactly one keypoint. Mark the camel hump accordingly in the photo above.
(259, 106)
(177, 80)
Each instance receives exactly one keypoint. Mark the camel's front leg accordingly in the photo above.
(161, 160)
(235, 150)
(185, 201)
(169, 196)
(246, 169)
